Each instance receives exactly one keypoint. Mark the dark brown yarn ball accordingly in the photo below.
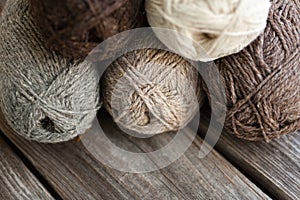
(262, 82)
(2, 2)
(75, 27)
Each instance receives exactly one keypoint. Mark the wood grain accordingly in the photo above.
(275, 165)
(16, 181)
(75, 174)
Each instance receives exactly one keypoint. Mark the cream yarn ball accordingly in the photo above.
(220, 27)
(151, 91)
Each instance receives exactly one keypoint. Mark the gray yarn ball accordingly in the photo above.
(43, 96)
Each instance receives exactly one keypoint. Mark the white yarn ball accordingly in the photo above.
(220, 27)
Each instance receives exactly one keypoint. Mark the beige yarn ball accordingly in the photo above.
(220, 27)
(151, 91)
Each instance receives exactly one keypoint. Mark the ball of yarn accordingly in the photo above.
(75, 27)
(263, 81)
(220, 27)
(2, 2)
(151, 91)
(43, 96)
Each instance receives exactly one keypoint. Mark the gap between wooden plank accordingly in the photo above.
(17, 181)
(279, 179)
(30, 167)
(74, 173)
(203, 127)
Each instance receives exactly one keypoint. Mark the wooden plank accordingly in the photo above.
(76, 174)
(16, 181)
(275, 165)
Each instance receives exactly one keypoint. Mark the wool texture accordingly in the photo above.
(2, 2)
(151, 91)
(263, 81)
(217, 27)
(43, 96)
(75, 27)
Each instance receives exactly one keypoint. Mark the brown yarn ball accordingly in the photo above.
(75, 27)
(151, 91)
(2, 2)
(262, 82)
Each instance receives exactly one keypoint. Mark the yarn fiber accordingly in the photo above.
(2, 2)
(263, 81)
(151, 91)
(75, 27)
(220, 27)
(43, 96)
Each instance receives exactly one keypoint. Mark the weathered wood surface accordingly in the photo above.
(16, 181)
(275, 166)
(75, 174)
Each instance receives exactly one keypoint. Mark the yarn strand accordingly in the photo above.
(43, 96)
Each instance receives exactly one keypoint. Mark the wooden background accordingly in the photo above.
(235, 169)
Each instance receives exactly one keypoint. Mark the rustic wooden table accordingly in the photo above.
(235, 169)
